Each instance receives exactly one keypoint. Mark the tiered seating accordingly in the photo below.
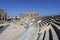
(56, 27)
(54, 32)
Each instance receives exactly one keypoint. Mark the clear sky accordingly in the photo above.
(43, 7)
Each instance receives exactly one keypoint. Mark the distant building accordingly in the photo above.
(28, 14)
(24, 17)
(3, 16)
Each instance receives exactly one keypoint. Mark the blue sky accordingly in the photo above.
(43, 7)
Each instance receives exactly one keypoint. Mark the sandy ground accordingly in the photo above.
(12, 32)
